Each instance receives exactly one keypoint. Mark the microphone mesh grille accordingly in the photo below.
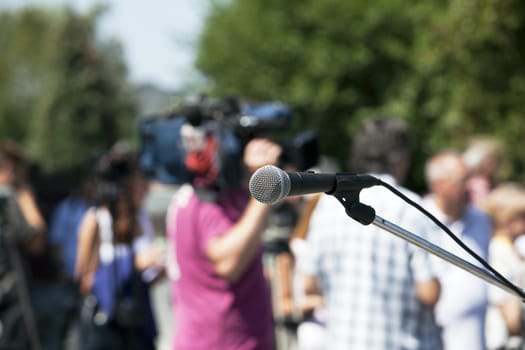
(269, 184)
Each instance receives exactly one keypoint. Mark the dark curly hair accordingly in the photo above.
(10, 151)
(380, 144)
(115, 171)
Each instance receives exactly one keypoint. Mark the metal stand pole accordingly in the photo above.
(436, 250)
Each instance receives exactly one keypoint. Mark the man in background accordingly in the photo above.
(379, 290)
(463, 304)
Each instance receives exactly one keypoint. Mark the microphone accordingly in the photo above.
(270, 184)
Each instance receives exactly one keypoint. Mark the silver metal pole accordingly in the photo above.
(436, 250)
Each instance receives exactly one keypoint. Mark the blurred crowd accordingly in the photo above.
(122, 261)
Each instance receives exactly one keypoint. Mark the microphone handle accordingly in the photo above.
(306, 183)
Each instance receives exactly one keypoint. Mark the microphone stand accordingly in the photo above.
(366, 215)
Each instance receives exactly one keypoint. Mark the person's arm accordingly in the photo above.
(425, 267)
(233, 252)
(511, 312)
(148, 254)
(33, 217)
(87, 253)
(283, 270)
(313, 295)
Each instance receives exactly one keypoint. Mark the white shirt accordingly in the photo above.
(462, 305)
(506, 260)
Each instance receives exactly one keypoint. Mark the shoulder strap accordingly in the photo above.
(104, 222)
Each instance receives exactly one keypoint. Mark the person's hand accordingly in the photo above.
(259, 152)
(153, 256)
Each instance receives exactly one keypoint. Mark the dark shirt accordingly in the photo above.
(14, 229)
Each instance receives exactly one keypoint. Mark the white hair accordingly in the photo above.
(441, 165)
(478, 151)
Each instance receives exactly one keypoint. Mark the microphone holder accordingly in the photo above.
(366, 215)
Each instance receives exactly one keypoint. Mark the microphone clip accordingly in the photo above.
(347, 192)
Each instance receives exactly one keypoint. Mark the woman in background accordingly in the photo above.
(506, 206)
(115, 256)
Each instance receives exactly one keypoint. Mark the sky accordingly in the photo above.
(157, 35)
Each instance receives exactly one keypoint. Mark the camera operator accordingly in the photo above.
(201, 143)
(21, 230)
(221, 298)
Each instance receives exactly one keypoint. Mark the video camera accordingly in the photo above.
(235, 122)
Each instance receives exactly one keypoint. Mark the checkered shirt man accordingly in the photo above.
(367, 275)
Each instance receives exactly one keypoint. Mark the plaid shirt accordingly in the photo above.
(367, 275)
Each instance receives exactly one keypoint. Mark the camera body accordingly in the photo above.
(163, 148)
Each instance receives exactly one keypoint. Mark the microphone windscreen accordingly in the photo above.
(269, 184)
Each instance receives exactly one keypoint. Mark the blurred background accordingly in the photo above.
(75, 76)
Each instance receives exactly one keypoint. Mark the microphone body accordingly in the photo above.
(305, 183)
(269, 184)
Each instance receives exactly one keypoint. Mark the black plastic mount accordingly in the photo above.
(348, 188)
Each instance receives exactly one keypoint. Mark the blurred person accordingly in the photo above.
(506, 207)
(22, 229)
(65, 222)
(64, 226)
(379, 290)
(116, 259)
(220, 295)
(311, 328)
(462, 306)
(483, 159)
(156, 204)
(278, 269)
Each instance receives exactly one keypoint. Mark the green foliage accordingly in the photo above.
(488, 72)
(64, 95)
(453, 69)
(334, 61)
(22, 69)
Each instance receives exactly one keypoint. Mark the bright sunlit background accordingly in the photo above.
(157, 35)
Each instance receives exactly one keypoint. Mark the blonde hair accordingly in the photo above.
(481, 150)
(506, 201)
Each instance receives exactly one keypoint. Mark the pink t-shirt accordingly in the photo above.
(210, 312)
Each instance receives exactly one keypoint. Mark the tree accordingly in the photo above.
(23, 68)
(486, 71)
(334, 61)
(453, 69)
(73, 100)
